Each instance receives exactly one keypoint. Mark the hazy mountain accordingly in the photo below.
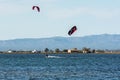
(104, 41)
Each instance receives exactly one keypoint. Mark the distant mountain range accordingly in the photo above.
(103, 41)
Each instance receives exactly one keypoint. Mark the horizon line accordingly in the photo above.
(57, 36)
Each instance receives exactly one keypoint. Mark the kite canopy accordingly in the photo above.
(36, 7)
(72, 30)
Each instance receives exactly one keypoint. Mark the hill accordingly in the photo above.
(104, 41)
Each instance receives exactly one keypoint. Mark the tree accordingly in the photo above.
(51, 51)
(46, 50)
(86, 50)
(65, 50)
(57, 50)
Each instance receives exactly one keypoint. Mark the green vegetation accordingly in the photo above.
(84, 50)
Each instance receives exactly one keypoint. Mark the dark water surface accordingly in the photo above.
(60, 67)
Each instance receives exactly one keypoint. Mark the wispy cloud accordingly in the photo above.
(16, 7)
(48, 0)
(83, 11)
(11, 8)
(104, 13)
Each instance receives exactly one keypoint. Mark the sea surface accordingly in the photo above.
(60, 67)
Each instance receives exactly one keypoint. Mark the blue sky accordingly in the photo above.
(92, 17)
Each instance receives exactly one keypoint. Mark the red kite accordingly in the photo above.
(72, 30)
(36, 7)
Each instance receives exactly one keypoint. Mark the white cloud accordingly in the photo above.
(10, 8)
(83, 11)
(18, 7)
(105, 14)
(48, 0)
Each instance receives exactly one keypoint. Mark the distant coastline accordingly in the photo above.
(58, 51)
(103, 41)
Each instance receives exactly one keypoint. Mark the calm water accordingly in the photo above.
(60, 67)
